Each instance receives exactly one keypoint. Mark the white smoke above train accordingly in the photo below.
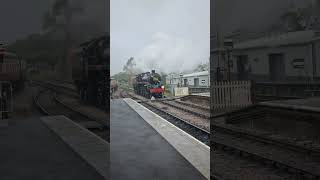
(168, 53)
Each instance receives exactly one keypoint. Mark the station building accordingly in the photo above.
(197, 79)
(286, 57)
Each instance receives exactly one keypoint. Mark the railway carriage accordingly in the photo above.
(12, 78)
(12, 69)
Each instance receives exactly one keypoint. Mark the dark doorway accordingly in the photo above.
(185, 82)
(196, 82)
(276, 67)
(242, 66)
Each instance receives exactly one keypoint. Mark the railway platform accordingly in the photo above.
(30, 150)
(307, 104)
(145, 146)
(205, 94)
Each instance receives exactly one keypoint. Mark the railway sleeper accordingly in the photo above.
(276, 165)
(187, 110)
(267, 139)
(199, 133)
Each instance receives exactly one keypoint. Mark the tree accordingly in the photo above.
(129, 68)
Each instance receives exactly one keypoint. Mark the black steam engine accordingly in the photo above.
(90, 71)
(148, 85)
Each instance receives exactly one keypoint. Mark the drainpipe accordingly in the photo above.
(314, 62)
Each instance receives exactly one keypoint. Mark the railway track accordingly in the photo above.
(197, 132)
(58, 88)
(49, 104)
(204, 108)
(263, 147)
(192, 110)
(303, 162)
(292, 161)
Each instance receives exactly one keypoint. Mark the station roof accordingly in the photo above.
(7, 54)
(286, 39)
(203, 73)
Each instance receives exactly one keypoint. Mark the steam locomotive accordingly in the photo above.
(148, 85)
(90, 71)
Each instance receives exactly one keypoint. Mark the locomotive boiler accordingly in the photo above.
(90, 71)
(148, 85)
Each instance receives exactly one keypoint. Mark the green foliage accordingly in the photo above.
(122, 78)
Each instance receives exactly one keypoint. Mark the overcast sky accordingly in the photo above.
(166, 35)
(20, 17)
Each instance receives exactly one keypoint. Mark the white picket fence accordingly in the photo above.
(230, 94)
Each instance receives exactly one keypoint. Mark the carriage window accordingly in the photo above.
(1, 58)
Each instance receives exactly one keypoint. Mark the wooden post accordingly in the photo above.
(253, 92)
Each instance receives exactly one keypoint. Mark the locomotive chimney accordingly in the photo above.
(153, 71)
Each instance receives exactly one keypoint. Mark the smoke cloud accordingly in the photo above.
(87, 19)
(167, 53)
(165, 35)
(92, 21)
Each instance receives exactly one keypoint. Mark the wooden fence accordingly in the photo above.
(9, 67)
(231, 94)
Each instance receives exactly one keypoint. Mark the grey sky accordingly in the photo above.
(173, 33)
(19, 18)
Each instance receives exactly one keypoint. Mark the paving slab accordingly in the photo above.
(138, 151)
(93, 149)
(196, 152)
(30, 151)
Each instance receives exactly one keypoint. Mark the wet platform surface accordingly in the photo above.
(138, 151)
(309, 104)
(29, 150)
(92, 148)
